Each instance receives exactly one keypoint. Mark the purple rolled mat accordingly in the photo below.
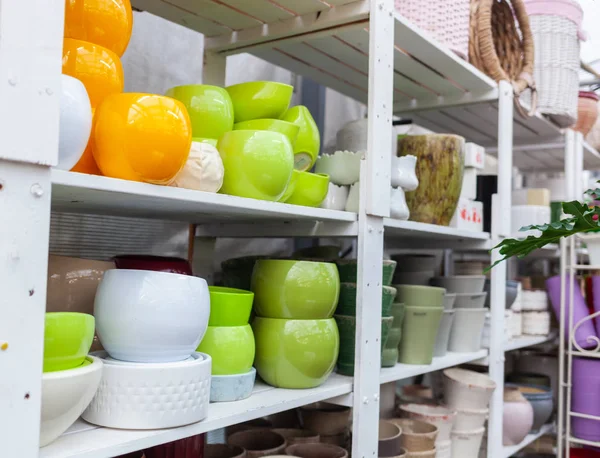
(580, 311)
(585, 397)
(596, 297)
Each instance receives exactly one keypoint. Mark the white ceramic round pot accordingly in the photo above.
(151, 317)
(439, 416)
(336, 197)
(353, 196)
(470, 419)
(467, 443)
(343, 167)
(75, 122)
(461, 284)
(466, 389)
(398, 208)
(131, 394)
(467, 329)
(517, 417)
(353, 136)
(65, 395)
(403, 172)
(470, 300)
(441, 340)
(225, 388)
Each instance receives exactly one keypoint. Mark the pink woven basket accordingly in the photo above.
(447, 24)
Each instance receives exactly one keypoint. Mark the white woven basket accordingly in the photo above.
(449, 25)
(556, 67)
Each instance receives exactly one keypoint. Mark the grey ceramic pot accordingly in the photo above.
(540, 398)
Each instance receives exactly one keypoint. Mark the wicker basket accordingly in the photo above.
(449, 25)
(587, 112)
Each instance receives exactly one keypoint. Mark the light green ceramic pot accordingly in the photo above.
(289, 129)
(348, 270)
(230, 347)
(397, 311)
(290, 187)
(258, 163)
(209, 141)
(295, 289)
(295, 353)
(311, 189)
(308, 142)
(259, 99)
(418, 295)
(419, 329)
(68, 337)
(347, 302)
(229, 306)
(389, 355)
(209, 107)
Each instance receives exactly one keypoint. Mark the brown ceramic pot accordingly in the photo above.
(316, 451)
(325, 419)
(389, 439)
(417, 436)
(297, 436)
(257, 423)
(258, 445)
(341, 440)
(223, 451)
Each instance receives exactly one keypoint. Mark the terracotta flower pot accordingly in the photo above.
(389, 439)
(587, 112)
(325, 419)
(257, 444)
(316, 451)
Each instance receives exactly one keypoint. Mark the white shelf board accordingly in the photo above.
(402, 371)
(398, 232)
(84, 440)
(82, 193)
(527, 341)
(509, 451)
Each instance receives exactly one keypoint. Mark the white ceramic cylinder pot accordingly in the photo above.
(466, 389)
(441, 339)
(441, 417)
(336, 197)
(403, 173)
(470, 419)
(466, 443)
(467, 329)
(75, 122)
(151, 317)
(398, 207)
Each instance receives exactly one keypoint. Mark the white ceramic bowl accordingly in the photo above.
(151, 317)
(343, 167)
(439, 416)
(470, 419)
(470, 300)
(75, 122)
(466, 389)
(467, 330)
(461, 284)
(65, 395)
(151, 396)
(336, 197)
(467, 443)
(224, 388)
(403, 172)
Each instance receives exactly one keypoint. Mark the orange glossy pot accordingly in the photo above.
(98, 68)
(87, 163)
(106, 23)
(141, 137)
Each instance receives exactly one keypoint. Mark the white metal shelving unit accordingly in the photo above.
(360, 48)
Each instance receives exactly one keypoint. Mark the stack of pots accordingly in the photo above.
(345, 314)
(331, 422)
(469, 311)
(428, 443)
(468, 393)
(418, 437)
(229, 341)
(297, 340)
(150, 323)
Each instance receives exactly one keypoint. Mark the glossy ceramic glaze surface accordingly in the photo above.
(343, 167)
(98, 68)
(146, 316)
(291, 187)
(258, 163)
(209, 107)
(87, 163)
(67, 340)
(210, 141)
(104, 22)
(75, 122)
(289, 129)
(347, 300)
(156, 263)
(259, 99)
(336, 197)
(311, 189)
(229, 306)
(230, 347)
(141, 137)
(295, 289)
(540, 398)
(517, 421)
(65, 395)
(295, 353)
(308, 142)
(235, 387)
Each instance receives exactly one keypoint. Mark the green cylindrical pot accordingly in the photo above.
(397, 310)
(347, 301)
(347, 329)
(389, 356)
(348, 269)
(420, 296)
(419, 330)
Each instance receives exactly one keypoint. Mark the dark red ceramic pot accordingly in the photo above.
(156, 263)
(190, 447)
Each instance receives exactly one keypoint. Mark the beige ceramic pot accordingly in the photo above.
(417, 436)
(389, 439)
(297, 436)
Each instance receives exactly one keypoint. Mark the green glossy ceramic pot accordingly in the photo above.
(419, 330)
(295, 289)
(308, 142)
(237, 272)
(68, 337)
(260, 99)
(295, 353)
(418, 295)
(209, 107)
(348, 269)
(289, 129)
(347, 327)
(230, 347)
(291, 187)
(397, 311)
(389, 356)
(311, 189)
(347, 302)
(209, 141)
(229, 306)
(258, 163)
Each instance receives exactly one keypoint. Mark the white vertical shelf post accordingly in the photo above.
(580, 188)
(500, 229)
(374, 206)
(30, 87)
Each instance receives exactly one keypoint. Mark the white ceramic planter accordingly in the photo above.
(403, 172)
(517, 421)
(467, 330)
(75, 122)
(398, 208)
(151, 317)
(467, 389)
(470, 300)
(151, 396)
(65, 395)
(439, 416)
(443, 335)
(336, 197)
(353, 196)
(444, 449)
(225, 388)
(353, 136)
(466, 443)
(343, 167)
(462, 284)
(470, 419)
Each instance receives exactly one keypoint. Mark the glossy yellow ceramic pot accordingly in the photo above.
(98, 68)
(87, 163)
(106, 23)
(141, 137)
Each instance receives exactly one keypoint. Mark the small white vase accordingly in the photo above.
(398, 207)
(403, 172)
(336, 197)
